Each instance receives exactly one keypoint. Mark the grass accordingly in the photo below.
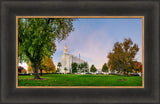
(79, 80)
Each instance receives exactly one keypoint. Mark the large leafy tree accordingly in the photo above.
(85, 66)
(104, 68)
(74, 67)
(80, 67)
(122, 55)
(93, 69)
(37, 36)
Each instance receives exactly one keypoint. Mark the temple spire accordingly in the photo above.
(65, 49)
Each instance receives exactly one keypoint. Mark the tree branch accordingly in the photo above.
(29, 55)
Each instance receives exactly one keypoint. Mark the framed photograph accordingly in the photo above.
(79, 51)
(97, 66)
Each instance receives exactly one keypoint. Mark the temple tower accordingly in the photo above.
(65, 51)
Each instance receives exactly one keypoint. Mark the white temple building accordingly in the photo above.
(67, 60)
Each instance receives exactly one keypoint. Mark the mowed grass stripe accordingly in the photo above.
(79, 80)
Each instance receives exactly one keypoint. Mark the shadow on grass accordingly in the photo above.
(37, 79)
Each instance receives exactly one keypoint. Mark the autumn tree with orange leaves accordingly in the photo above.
(137, 66)
(48, 65)
(122, 55)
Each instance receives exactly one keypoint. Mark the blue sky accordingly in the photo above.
(93, 39)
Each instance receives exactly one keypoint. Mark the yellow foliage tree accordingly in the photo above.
(30, 69)
(48, 65)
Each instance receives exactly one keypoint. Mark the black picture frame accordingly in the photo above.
(12, 8)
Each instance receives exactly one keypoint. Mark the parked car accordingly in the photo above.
(100, 73)
(134, 74)
(113, 74)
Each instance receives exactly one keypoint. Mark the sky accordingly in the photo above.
(93, 39)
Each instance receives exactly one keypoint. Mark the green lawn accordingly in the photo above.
(79, 80)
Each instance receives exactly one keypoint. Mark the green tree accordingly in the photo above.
(65, 69)
(85, 66)
(59, 65)
(58, 70)
(93, 69)
(122, 55)
(74, 67)
(80, 66)
(104, 68)
(37, 36)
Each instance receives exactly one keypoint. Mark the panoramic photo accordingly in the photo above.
(80, 52)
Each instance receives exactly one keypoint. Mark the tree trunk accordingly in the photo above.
(122, 76)
(36, 75)
(41, 71)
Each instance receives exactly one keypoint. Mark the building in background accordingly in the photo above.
(24, 65)
(67, 60)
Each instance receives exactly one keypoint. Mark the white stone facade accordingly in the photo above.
(67, 60)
